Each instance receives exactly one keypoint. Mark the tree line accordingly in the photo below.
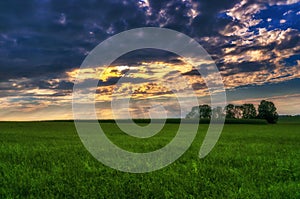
(266, 110)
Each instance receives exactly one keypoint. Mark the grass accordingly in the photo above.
(48, 160)
(289, 119)
(201, 121)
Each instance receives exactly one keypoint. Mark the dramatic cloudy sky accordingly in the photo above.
(254, 43)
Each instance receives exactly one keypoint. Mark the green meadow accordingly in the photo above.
(48, 160)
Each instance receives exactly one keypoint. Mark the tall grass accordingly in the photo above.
(48, 160)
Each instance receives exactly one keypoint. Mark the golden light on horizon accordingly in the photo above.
(145, 80)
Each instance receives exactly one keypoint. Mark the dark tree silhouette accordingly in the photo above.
(202, 112)
(249, 111)
(238, 112)
(217, 112)
(194, 113)
(267, 110)
(229, 109)
(205, 111)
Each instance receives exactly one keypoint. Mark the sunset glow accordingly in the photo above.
(254, 45)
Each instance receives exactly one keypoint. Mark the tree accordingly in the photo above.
(202, 112)
(238, 112)
(194, 113)
(267, 110)
(205, 111)
(229, 109)
(249, 111)
(217, 112)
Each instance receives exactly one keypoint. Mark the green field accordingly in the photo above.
(48, 160)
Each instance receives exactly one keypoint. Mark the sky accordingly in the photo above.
(255, 44)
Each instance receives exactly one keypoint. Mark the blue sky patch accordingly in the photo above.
(279, 17)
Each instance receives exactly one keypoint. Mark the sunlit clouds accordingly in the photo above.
(254, 44)
(146, 84)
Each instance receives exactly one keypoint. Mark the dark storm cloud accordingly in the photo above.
(115, 80)
(255, 44)
(209, 22)
(146, 55)
(236, 68)
(193, 72)
(41, 39)
(50, 36)
(177, 15)
(199, 86)
(291, 40)
(90, 83)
